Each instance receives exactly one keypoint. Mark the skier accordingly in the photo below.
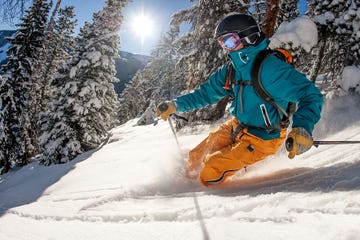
(256, 130)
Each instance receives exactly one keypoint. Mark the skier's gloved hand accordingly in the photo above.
(165, 109)
(298, 142)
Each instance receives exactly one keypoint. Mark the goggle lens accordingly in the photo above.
(229, 41)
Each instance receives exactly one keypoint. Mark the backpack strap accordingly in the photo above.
(230, 76)
(257, 84)
(230, 81)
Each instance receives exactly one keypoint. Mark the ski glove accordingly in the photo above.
(298, 142)
(165, 109)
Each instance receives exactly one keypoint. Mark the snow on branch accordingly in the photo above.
(301, 32)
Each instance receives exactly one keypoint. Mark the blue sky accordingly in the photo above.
(159, 11)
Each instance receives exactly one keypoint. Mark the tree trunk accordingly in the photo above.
(316, 67)
(272, 12)
(53, 15)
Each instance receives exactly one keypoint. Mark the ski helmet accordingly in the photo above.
(241, 24)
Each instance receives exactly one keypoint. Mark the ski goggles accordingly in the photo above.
(231, 41)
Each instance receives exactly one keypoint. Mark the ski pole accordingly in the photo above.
(163, 108)
(289, 144)
(174, 132)
(317, 143)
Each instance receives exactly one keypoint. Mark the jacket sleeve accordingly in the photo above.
(208, 93)
(288, 84)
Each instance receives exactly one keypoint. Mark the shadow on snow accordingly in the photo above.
(27, 184)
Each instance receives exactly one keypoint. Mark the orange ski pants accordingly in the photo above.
(218, 157)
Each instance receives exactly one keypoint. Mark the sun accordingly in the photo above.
(142, 25)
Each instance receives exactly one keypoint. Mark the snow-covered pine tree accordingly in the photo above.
(86, 106)
(159, 80)
(64, 33)
(4, 161)
(338, 24)
(136, 96)
(288, 11)
(60, 44)
(96, 103)
(58, 138)
(18, 142)
(171, 80)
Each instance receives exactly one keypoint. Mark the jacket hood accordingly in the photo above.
(245, 56)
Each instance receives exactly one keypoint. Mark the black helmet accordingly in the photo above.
(242, 24)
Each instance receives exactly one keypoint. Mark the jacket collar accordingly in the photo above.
(245, 56)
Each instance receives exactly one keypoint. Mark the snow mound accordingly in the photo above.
(350, 81)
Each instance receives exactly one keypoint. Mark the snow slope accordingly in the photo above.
(134, 188)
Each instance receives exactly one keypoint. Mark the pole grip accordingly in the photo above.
(289, 144)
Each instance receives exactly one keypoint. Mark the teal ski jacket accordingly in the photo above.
(280, 79)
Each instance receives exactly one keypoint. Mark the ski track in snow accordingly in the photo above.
(99, 204)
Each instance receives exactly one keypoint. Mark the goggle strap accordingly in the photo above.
(247, 39)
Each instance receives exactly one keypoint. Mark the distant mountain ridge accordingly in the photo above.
(126, 66)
